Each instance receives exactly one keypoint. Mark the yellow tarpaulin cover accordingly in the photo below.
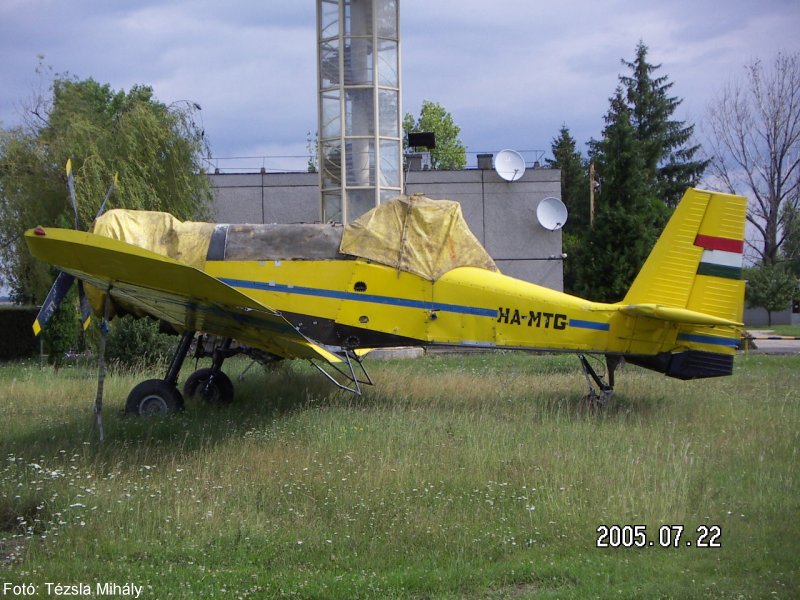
(416, 234)
(158, 232)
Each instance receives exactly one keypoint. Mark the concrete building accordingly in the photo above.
(501, 214)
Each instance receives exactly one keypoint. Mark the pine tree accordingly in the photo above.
(575, 195)
(644, 162)
(665, 144)
(574, 180)
(628, 217)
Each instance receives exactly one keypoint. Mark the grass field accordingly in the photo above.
(455, 477)
(793, 330)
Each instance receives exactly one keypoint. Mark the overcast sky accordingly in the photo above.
(510, 71)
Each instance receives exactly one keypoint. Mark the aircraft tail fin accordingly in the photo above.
(696, 264)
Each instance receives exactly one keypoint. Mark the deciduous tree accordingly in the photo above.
(155, 148)
(771, 287)
(450, 152)
(790, 249)
(754, 140)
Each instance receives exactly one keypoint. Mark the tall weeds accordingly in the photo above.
(454, 476)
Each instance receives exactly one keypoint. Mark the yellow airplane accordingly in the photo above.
(407, 273)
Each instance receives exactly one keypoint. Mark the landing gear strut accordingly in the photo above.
(600, 395)
(211, 384)
(161, 396)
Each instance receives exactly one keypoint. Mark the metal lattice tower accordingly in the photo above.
(358, 70)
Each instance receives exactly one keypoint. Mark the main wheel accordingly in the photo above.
(154, 397)
(218, 390)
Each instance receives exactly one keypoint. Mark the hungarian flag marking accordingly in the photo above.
(722, 257)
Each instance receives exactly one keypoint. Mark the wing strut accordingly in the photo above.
(353, 380)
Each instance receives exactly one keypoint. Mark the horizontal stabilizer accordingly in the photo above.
(676, 315)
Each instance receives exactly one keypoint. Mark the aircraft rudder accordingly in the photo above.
(719, 288)
(668, 272)
(697, 261)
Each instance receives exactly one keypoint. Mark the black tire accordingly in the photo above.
(154, 397)
(218, 391)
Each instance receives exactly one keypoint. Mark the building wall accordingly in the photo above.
(501, 214)
(758, 317)
(266, 197)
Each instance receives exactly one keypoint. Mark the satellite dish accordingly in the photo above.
(509, 164)
(551, 213)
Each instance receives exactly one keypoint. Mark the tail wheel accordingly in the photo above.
(154, 397)
(216, 390)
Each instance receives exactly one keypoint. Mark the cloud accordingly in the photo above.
(511, 72)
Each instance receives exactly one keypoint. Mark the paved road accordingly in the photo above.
(767, 346)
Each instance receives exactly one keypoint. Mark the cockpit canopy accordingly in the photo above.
(416, 234)
(409, 233)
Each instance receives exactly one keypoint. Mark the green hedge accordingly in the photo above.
(16, 333)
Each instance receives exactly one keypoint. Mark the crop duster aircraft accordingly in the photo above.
(407, 273)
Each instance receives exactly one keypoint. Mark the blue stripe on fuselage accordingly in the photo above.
(588, 325)
(708, 339)
(359, 297)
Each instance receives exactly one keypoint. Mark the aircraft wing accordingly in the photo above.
(182, 295)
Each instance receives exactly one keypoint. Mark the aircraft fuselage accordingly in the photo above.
(359, 304)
